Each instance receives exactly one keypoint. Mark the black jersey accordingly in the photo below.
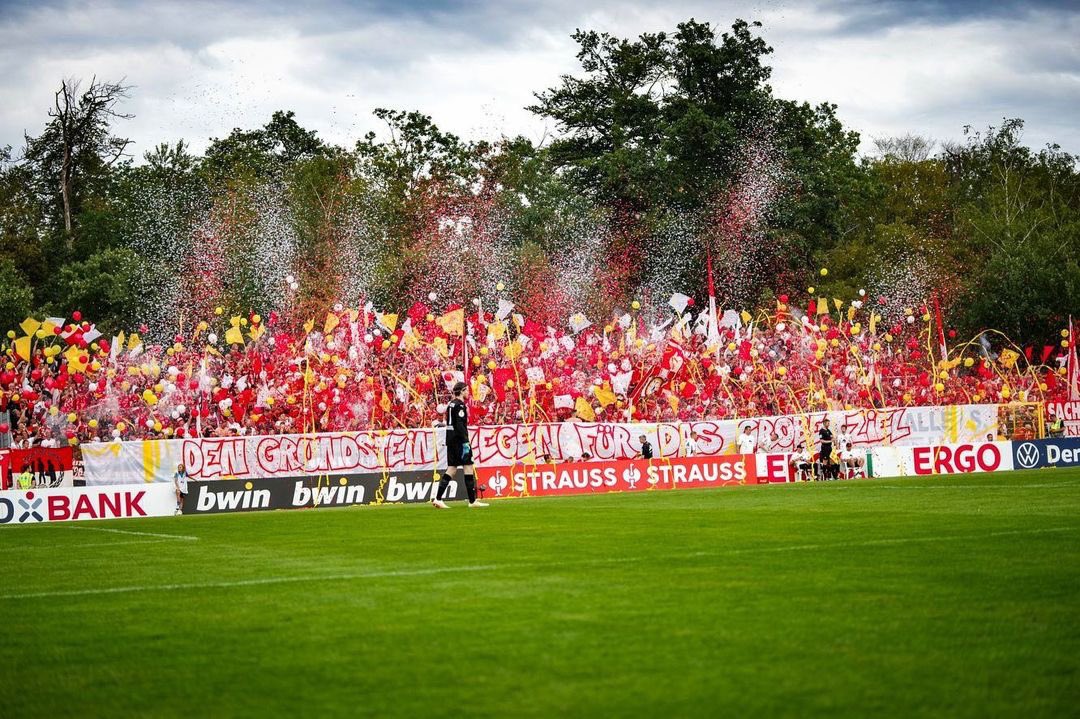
(825, 435)
(457, 422)
(646, 450)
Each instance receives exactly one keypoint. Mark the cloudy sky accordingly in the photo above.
(201, 68)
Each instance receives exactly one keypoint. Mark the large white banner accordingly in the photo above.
(962, 458)
(424, 449)
(79, 503)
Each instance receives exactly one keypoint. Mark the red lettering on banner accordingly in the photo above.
(961, 459)
(83, 505)
(58, 508)
(212, 458)
(132, 504)
(109, 505)
(777, 468)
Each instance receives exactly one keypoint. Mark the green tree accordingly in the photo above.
(16, 297)
(77, 148)
(105, 287)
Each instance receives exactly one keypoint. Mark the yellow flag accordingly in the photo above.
(257, 331)
(385, 403)
(850, 314)
(439, 343)
(29, 325)
(353, 315)
(332, 321)
(604, 395)
(584, 410)
(673, 400)
(745, 317)
(1008, 358)
(409, 341)
(388, 320)
(22, 347)
(309, 325)
(497, 330)
(234, 336)
(134, 341)
(453, 322)
(74, 358)
(839, 303)
(512, 350)
(874, 317)
(823, 306)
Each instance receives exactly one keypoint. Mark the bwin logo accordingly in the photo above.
(1027, 455)
(631, 475)
(30, 509)
(498, 483)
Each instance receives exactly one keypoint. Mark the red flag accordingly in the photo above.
(941, 332)
(1074, 371)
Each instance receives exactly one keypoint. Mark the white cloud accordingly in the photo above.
(200, 70)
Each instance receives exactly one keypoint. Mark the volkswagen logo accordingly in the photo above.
(1027, 455)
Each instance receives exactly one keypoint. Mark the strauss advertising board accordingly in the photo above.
(569, 478)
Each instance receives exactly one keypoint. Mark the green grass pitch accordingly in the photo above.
(955, 596)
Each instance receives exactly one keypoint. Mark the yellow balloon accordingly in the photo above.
(810, 290)
(635, 305)
(824, 271)
(72, 417)
(92, 424)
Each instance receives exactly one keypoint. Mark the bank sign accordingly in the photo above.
(1063, 452)
(72, 504)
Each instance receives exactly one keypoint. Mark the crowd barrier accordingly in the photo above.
(416, 450)
(521, 479)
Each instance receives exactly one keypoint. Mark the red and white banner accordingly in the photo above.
(403, 450)
(941, 459)
(568, 478)
(79, 503)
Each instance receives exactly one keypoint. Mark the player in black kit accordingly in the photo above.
(458, 452)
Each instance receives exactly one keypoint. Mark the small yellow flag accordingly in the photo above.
(604, 395)
(234, 336)
(332, 321)
(453, 322)
(30, 325)
(74, 358)
(584, 410)
(1008, 358)
(388, 320)
(22, 347)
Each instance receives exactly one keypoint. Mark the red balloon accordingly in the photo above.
(4, 428)
(77, 316)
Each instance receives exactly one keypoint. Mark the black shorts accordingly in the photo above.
(456, 457)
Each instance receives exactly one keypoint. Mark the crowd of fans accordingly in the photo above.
(361, 369)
